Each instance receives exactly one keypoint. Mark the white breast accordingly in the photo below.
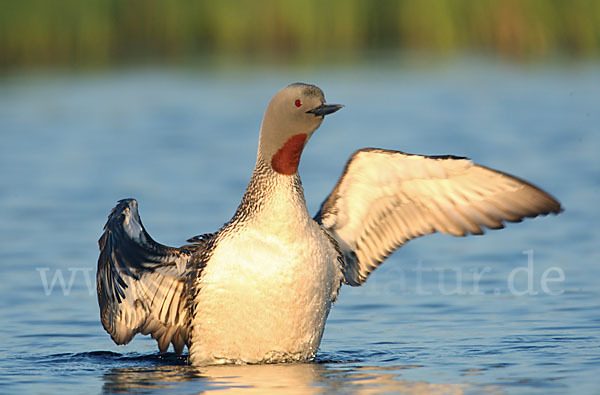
(266, 291)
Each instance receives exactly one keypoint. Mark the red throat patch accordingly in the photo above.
(286, 159)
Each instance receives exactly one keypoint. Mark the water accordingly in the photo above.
(183, 142)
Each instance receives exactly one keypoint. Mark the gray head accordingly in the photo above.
(292, 116)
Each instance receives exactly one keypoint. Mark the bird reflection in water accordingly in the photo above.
(305, 378)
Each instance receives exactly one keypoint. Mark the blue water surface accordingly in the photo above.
(182, 141)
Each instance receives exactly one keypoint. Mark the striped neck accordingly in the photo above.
(267, 187)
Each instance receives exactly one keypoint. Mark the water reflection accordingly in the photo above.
(305, 378)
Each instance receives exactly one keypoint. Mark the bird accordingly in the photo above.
(259, 289)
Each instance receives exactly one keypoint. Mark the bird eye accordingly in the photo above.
(298, 103)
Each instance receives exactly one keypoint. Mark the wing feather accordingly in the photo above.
(386, 198)
(141, 284)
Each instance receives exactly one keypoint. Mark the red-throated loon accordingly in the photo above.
(260, 288)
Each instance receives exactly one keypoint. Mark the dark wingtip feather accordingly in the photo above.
(558, 208)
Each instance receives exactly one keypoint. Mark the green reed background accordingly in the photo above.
(103, 32)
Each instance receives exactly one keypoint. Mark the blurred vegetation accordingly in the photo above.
(100, 32)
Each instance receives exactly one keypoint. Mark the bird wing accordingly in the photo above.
(141, 284)
(385, 198)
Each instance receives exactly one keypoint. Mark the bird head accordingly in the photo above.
(291, 118)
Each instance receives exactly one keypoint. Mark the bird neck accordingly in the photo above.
(280, 144)
(286, 159)
(271, 194)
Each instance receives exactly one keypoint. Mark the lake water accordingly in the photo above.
(183, 142)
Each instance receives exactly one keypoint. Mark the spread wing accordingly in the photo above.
(385, 198)
(141, 284)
